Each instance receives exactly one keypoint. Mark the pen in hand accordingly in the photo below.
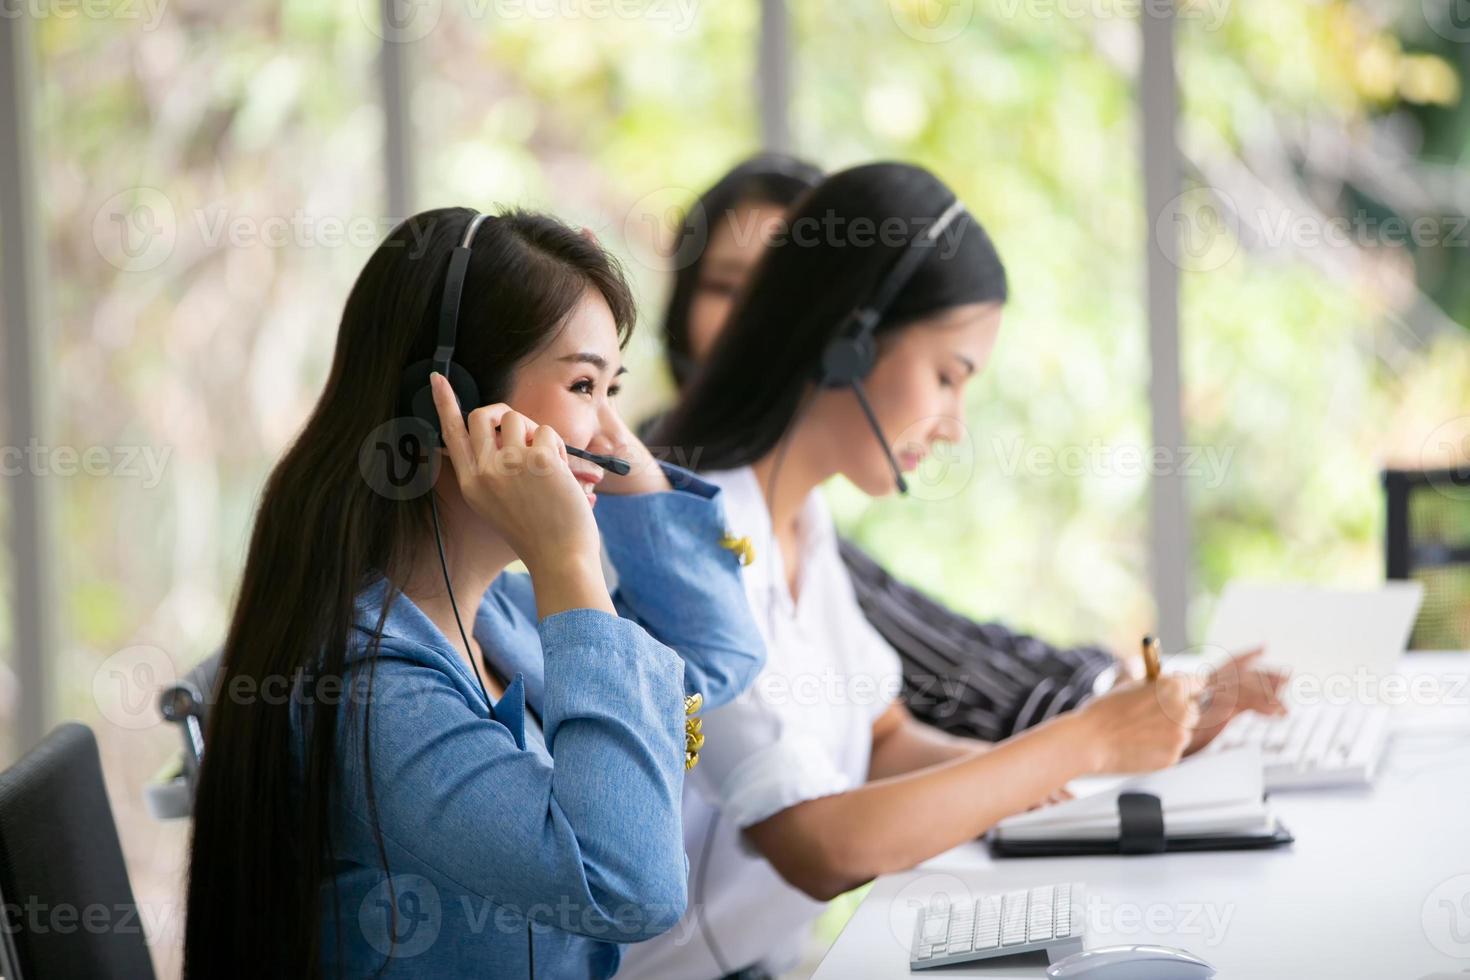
(1151, 656)
(1151, 661)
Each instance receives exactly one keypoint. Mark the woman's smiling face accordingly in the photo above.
(570, 385)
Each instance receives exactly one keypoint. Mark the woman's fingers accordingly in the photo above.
(451, 424)
(515, 430)
(548, 437)
(483, 423)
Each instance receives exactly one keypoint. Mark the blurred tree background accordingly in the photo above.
(242, 144)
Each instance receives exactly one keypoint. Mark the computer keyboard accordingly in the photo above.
(1048, 918)
(1313, 745)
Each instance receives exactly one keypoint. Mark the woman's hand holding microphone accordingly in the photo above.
(514, 474)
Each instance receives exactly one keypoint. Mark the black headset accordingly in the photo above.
(419, 396)
(848, 357)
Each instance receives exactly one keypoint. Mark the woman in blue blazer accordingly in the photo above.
(420, 763)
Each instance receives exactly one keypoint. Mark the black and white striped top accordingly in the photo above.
(982, 680)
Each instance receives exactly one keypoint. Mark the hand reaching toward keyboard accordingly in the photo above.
(1238, 686)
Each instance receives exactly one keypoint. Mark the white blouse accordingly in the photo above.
(803, 730)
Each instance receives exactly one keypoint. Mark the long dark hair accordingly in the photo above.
(832, 251)
(767, 178)
(262, 844)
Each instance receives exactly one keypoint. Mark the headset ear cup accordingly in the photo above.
(420, 397)
(845, 360)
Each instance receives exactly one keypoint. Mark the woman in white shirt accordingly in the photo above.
(817, 779)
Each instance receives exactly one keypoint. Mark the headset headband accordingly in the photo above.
(869, 313)
(459, 262)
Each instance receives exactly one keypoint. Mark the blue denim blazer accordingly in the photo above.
(491, 821)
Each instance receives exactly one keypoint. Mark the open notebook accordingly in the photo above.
(1207, 802)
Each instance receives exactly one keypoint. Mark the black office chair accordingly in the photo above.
(1427, 538)
(69, 908)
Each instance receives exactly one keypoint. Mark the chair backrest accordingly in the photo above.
(68, 904)
(1427, 538)
(187, 705)
(205, 679)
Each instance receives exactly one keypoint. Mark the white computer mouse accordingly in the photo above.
(1131, 963)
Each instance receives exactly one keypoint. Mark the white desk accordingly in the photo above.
(1376, 887)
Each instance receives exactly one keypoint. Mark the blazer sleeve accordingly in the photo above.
(983, 680)
(675, 579)
(589, 840)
